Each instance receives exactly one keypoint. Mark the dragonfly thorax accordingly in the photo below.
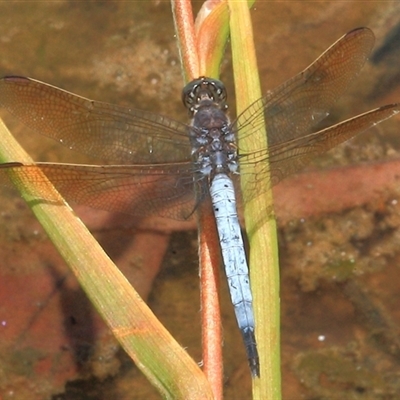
(213, 142)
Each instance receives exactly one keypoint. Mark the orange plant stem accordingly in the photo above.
(184, 28)
(209, 255)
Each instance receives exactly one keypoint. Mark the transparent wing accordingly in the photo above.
(290, 156)
(291, 110)
(165, 190)
(110, 132)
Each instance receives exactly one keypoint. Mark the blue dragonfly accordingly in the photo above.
(161, 166)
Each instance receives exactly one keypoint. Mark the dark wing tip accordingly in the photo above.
(11, 165)
(15, 78)
(358, 29)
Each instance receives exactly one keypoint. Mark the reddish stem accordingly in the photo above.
(209, 255)
(208, 240)
(184, 28)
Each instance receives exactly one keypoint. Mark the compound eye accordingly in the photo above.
(219, 89)
(202, 88)
(189, 92)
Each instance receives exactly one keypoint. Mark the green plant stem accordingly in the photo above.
(154, 351)
(262, 237)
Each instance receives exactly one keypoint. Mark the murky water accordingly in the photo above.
(339, 271)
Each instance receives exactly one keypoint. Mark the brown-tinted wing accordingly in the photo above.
(288, 157)
(165, 190)
(294, 108)
(113, 133)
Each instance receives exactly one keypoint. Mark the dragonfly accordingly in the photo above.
(160, 166)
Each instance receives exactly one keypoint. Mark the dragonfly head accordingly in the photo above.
(204, 89)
